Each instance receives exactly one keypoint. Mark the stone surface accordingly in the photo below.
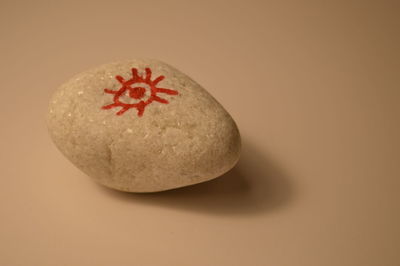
(140, 132)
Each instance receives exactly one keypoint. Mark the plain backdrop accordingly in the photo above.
(312, 85)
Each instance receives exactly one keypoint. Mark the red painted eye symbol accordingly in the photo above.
(137, 92)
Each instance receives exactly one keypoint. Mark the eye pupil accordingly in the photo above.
(137, 92)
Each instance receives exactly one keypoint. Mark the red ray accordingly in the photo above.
(158, 99)
(134, 73)
(158, 80)
(110, 91)
(148, 74)
(123, 110)
(140, 108)
(120, 79)
(109, 106)
(167, 91)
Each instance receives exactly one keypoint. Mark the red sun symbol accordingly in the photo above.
(137, 92)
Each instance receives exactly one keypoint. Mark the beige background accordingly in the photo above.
(313, 86)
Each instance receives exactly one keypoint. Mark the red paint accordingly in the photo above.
(137, 92)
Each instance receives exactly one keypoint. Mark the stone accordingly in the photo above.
(142, 126)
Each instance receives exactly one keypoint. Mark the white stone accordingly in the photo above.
(190, 139)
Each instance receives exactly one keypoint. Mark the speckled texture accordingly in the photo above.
(190, 140)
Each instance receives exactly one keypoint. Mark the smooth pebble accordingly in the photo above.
(142, 126)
